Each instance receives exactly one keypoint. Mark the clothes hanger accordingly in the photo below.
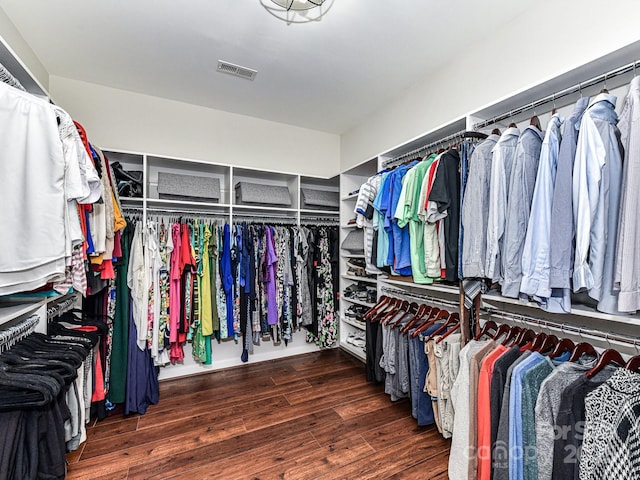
(400, 313)
(486, 329)
(608, 356)
(455, 328)
(527, 338)
(549, 344)
(633, 364)
(535, 121)
(382, 302)
(413, 309)
(503, 329)
(495, 131)
(562, 346)
(422, 311)
(538, 342)
(582, 348)
(424, 326)
(604, 85)
(451, 320)
(514, 333)
(394, 306)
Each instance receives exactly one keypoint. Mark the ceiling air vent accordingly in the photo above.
(237, 70)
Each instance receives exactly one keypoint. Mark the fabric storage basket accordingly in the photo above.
(172, 186)
(354, 242)
(259, 194)
(319, 199)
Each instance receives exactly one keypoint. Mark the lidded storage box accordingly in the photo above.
(259, 194)
(172, 186)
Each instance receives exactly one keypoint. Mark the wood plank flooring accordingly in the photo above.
(305, 417)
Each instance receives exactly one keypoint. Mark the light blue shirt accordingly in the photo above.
(516, 447)
(536, 251)
(597, 182)
(521, 185)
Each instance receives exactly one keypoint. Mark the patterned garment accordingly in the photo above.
(163, 335)
(327, 322)
(257, 308)
(611, 444)
(108, 339)
(221, 297)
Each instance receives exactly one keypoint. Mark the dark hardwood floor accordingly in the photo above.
(311, 416)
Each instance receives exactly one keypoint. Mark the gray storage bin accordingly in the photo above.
(354, 242)
(319, 199)
(260, 194)
(172, 186)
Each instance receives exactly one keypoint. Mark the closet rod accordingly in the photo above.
(186, 212)
(459, 134)
(418, 296)
(264, 220)
(6, 77)
(61, 306)
(562, 327)
(630, 67)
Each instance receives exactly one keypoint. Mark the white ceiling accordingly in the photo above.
(328, 75)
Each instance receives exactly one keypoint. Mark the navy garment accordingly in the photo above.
(421, 405)
(226, 272)
(142, 378)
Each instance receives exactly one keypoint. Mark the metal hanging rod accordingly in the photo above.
(418, 296)
(10, 335)
(61, 306)
(562, 327)
(185, 212)
(459, 134)
(630, 67)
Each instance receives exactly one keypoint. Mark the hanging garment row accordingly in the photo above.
(554, 212)
(48, 385)
(196, 280)
(411, 216)
(532, 406)
(65, 236)
(413, 348)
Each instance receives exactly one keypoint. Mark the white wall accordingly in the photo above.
(554, 37)
(15, 42)
(124, 120)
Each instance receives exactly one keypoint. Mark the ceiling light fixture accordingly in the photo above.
(297, 11)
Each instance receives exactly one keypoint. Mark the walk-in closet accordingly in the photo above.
(319, 239)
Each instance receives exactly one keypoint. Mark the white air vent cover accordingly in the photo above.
(237, 70)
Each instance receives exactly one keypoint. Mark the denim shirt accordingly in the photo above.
(501, 165)
(521, 185)
(597, 180)
(535, 254)
(475, 209)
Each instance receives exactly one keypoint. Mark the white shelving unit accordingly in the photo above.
(226, 354)
(579, 315)
(357, 302)
(350, 181)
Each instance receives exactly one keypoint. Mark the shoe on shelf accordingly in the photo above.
(356, 263)
(354, 290)
(358, 341)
